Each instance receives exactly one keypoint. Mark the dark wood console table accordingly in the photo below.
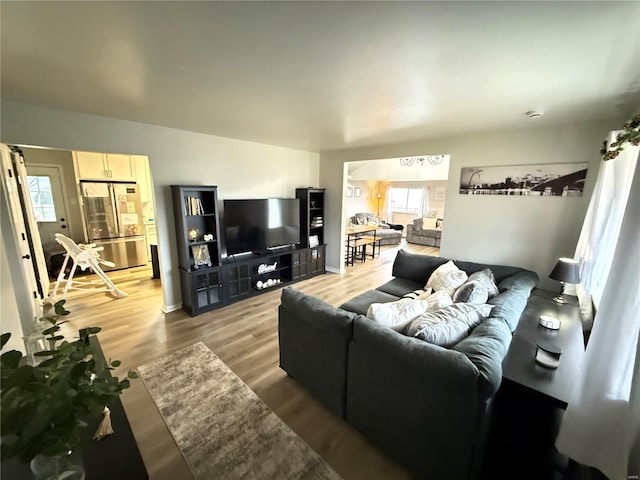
(114, 457)
(529, 406)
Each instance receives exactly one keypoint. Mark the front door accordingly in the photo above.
(49, 203)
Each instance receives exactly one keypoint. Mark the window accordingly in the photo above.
(408, 200)
(41, 198)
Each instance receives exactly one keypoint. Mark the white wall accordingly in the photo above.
(240, 169)
(530, 232)
(359, 204)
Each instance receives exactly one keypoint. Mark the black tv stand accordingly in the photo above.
(248, 275)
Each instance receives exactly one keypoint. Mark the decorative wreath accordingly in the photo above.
(630, 133)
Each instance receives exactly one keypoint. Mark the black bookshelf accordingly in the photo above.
(198, 238)
(312, 215)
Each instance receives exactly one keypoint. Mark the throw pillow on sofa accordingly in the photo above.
(448, 326)
(438, 300)
(396, 315)
(472, 291)
(446, 277)
(486, 277)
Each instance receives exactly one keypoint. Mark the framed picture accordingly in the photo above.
(200, 256)
(541, 180)
(313, 241)
(356, 192)
(439, 193)
(349, 191)
(439, 224)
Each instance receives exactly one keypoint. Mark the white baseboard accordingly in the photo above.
(334, 270)
(171, 308)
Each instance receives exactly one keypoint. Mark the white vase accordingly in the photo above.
(59, 467)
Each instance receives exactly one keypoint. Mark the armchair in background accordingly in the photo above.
(425, 231)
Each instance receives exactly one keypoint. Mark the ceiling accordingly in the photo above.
(325, 75)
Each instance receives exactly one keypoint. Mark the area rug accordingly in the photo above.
(221, 426)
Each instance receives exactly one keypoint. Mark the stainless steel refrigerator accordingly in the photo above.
(113, 216)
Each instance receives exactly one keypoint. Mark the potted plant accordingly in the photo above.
(43, 405)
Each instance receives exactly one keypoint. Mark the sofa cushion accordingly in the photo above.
(523, 280)
(446, 277)
(500, 272)
(449, 325)
(400, 286)
(360, 303)
(509, 305)
(398, 314)
(472, 291)
(415, 267)
(486, 277)
(428, 223)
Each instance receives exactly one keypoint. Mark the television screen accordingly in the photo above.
(259, 224)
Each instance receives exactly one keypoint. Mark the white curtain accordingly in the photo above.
(424, 203)
(602, 223)
(602, 419)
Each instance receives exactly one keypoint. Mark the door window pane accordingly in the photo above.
(41, 198)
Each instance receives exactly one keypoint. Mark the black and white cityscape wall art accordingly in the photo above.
(548, 179)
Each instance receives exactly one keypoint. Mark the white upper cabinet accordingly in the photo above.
(119, 167)
(140, 164)
(103, 166)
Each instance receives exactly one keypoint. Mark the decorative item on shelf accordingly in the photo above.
(565, 271)
(548, 354)
(313, 241)
(193, 234)
(547, 321)
(266, 268)
(200, 256)
(69, 379)
(271, 282)
(208, 237)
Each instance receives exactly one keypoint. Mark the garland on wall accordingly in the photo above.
(630, 133)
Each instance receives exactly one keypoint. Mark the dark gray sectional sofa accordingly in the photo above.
(424, 405)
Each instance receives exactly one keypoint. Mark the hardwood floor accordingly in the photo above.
(244, 335)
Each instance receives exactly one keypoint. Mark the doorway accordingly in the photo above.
(49, 198)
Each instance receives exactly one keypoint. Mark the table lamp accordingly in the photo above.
(565, 271)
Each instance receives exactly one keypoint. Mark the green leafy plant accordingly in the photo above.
(630, 134)
(43, 406)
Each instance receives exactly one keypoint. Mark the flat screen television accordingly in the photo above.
(258, 225)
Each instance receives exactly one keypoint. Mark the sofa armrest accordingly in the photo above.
(409, 396)
(313, 342)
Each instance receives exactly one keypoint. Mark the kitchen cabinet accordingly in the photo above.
(140, 164)
(103, 166)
